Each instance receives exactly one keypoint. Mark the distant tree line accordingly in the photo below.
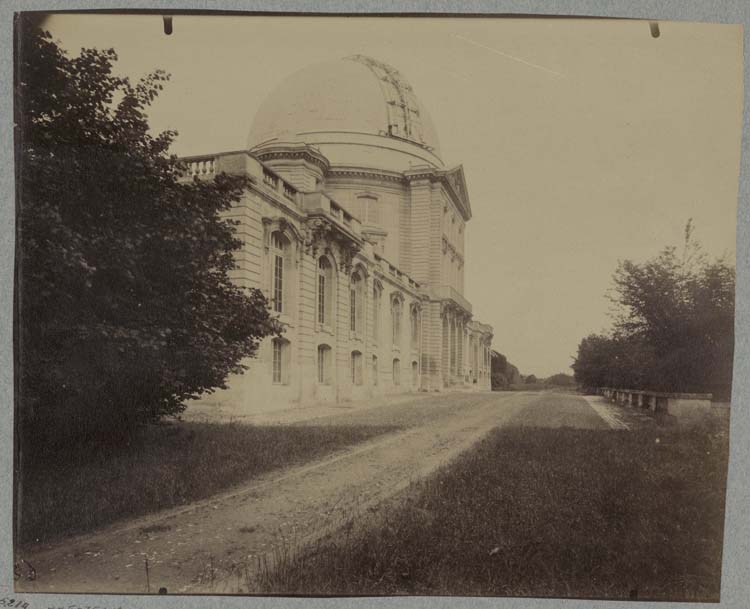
(124, 304)
(673, 326)
(560, 380)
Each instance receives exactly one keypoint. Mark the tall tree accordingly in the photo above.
(673, 325)
(125, 305)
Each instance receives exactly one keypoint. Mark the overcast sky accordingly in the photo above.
(584, 142)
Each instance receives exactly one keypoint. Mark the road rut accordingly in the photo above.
(215, 546)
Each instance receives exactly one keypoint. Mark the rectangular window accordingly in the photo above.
(356, 368)
(277, 361)
(278, 283)
(324, 354)
(373, 217)
(375, 315)
(321, 299)
(396, 314)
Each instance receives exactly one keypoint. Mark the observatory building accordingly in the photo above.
(354, 229)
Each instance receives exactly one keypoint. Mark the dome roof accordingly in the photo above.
(357, 111)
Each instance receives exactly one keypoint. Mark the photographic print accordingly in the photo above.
(336, 305)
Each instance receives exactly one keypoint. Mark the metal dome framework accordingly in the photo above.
(404, 117)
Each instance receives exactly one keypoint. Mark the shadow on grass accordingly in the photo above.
(541, 512)
(164, 466)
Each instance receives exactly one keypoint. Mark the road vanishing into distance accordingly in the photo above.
(219, 545)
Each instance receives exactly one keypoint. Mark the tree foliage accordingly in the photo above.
(125, 306)
(560, 380)
(502, 373)
(673, 325)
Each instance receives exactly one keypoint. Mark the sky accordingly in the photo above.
(583, 142)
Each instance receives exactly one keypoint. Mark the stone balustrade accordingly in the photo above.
(686, 406)
(238, 163)
(203, 166)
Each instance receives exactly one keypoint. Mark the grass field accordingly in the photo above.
(164, 466)
(541, 512)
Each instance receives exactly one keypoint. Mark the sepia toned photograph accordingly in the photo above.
(374, 305)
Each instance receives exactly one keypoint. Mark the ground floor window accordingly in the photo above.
(396, 371)
(374, 369)
(324, 365)
(280, 361)
(414, 374)
(356, 365)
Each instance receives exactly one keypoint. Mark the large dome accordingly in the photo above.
(357, 111)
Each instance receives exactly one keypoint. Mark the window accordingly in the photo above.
(396, 307)
(279, 256)
(356, 316)
(396, 371)
(414, 374)
(375, 370)
(280, 361)
(446, 345)
(356, 368)
(325, 291)
(369, 212)
(376, 294)
(453, 341)
(324, 364)
(415, 327)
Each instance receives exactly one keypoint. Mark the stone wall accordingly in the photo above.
(686, 408)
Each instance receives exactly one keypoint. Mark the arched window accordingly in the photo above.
(376, 295)
(396, 371)
(279, 250)
(396, 311)
(414, 374)
(356, 365)
(414, 318)
(375, 370)
(280, 361)
(325, 292)
(324, 364)
(356, 303)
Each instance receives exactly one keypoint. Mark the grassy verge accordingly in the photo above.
(164, 466)
(542, 512)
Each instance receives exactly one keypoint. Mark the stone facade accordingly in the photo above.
(356, 236)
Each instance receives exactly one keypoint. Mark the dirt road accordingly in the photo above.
(218, 545)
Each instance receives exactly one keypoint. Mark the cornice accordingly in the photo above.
(372, 174)
(283, 152)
